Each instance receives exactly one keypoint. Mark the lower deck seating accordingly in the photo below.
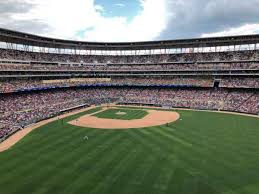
(21, 109)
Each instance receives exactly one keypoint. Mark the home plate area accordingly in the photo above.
(125, 118)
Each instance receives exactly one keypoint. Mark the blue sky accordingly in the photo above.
(124, 8)
(130, 20)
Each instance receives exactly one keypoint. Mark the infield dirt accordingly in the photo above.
(154, 118)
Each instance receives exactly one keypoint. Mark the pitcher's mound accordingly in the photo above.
(154, 118)
(121, 113)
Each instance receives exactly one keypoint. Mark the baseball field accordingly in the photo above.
(186, 152)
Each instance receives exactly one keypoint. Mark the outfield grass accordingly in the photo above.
(204, 153)
(130, 114)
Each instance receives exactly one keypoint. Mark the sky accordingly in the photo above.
(130, 20)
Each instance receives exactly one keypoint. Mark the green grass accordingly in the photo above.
(130, 114)
(204, 153)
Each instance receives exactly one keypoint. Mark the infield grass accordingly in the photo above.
(128, 114)
(203, 153)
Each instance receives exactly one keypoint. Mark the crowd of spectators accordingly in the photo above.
(19, 110)
(154, 58)
(12, 86)
(199, 82)
(131, 67)
(18, 85)
(213, 99)
(184, 61)
(240, 82)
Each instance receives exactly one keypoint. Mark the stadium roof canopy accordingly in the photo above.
(16, 37)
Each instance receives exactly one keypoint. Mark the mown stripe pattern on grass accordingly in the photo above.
(204, 153)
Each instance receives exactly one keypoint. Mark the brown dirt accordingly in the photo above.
(12, 140)
(154, 118)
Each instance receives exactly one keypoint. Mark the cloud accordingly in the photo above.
(147, 25)
(99, 8)
(242, 30)
(33, 26)
(9, 7)
(194, 18)
(120, 4)
(65, 18)
(157, 19)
